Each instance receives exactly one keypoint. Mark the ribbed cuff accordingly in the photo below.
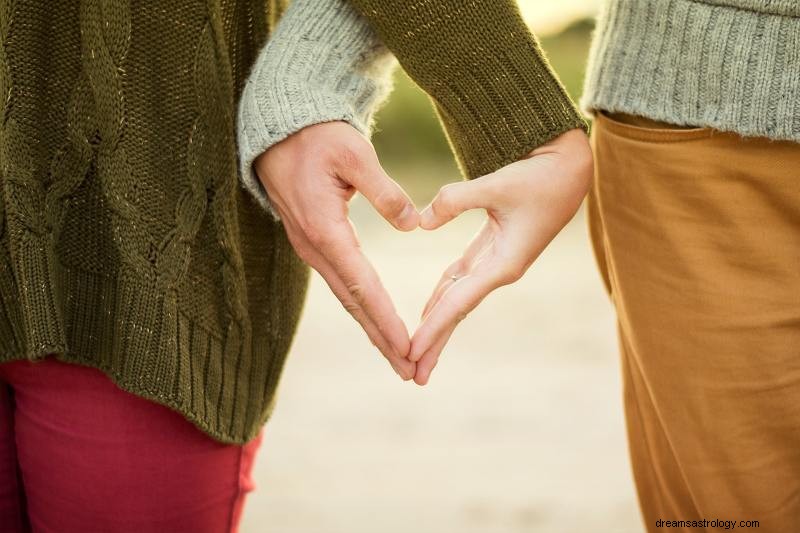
(493, 88)
(692, 63)
(323, 63)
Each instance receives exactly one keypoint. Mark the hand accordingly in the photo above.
(527, 203)
(310, 177)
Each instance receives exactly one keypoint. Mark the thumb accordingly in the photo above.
(453, 199)
(385, 195)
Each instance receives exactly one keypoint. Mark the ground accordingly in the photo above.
(520, 430)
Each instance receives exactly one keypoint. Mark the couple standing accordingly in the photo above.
(128, 247)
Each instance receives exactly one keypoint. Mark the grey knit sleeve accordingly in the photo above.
(322, 63)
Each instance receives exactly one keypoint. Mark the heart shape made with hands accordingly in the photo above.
(311, 177)
(411, 266)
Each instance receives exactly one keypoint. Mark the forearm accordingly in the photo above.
(495, 93)
(323, 63)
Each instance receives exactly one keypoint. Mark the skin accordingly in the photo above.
(310, 177)
(527, 203)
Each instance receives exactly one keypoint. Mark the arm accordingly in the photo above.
(512, 127)
(322, 64)
(496, 107)
(303, 119)
(495, 93)
(527, 203)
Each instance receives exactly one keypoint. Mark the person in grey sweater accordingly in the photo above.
(694, 217)
(695, 221)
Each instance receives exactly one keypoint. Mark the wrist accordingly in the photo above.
(323, 63)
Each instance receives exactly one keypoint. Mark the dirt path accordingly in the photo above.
(520, 429)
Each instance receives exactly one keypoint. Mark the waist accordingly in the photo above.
(698, 63)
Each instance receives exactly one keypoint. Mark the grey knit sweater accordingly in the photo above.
(733, 65)
(323, 63)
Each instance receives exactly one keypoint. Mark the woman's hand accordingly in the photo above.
(527, 203)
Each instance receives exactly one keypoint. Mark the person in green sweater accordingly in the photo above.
(148, 302)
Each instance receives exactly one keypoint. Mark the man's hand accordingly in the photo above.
(527, 203)
(310, 178)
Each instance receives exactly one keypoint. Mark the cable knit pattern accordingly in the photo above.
(5, 101)
(28, 196)
(324, 63)
(733, 65)
(8, 286)
(130, 246)
(126, 241)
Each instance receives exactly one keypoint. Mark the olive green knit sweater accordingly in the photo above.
(126, 243)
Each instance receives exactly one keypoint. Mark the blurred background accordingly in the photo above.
(521, 427)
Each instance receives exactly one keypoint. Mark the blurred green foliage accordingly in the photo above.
(408, 136)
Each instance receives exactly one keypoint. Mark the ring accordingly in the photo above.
(454, 277)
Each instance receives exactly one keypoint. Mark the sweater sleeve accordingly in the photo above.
(322, 63)
(490, 82)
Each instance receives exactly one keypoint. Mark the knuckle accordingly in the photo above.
(352, 308)
(316, 234)
(445, 202)
(358, 292)
(315, 225)
(391, 203)
(351, 157)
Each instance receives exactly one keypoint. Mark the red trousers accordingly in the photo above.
(79, 454)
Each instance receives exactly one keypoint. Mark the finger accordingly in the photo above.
(364, 172)
(444, 283)
(450, 276)
(404, 368)
(455, 198)
(430, 359)
(480, 245)
(342, 252)
(453, 306)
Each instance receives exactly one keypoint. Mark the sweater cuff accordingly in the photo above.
(491, 84)
(323, 63)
